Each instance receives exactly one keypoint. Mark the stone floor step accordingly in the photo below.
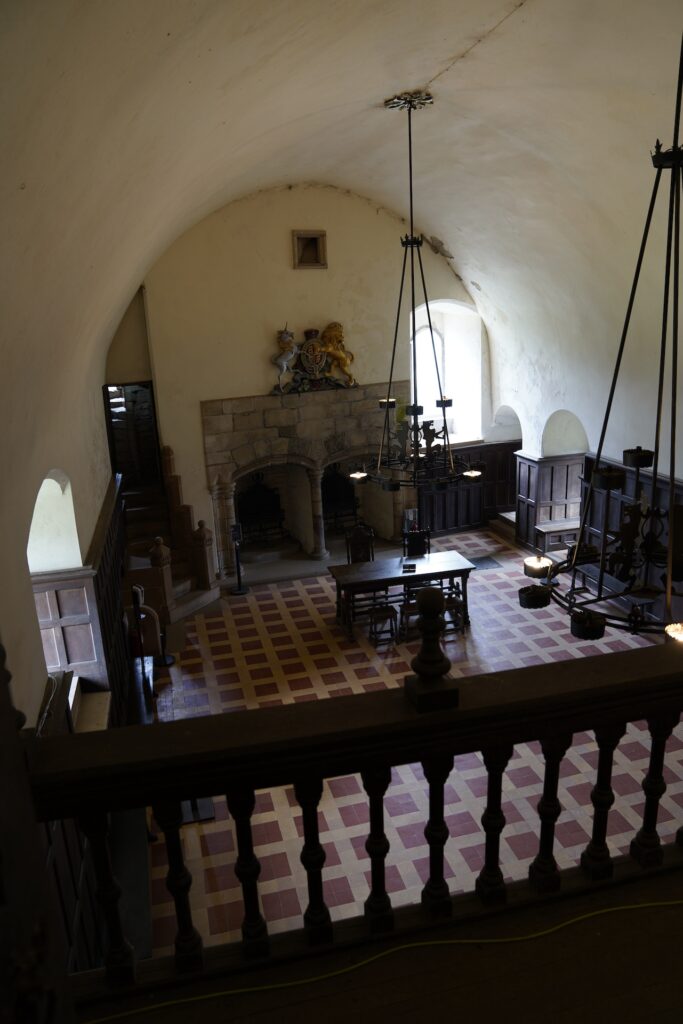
(190, 603)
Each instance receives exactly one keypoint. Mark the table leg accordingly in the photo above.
(465, 613)
(347, 617)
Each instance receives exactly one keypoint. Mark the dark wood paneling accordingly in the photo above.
(70, 624)
(472, 503)
(618, 500)
(548, 488)
(80, 611)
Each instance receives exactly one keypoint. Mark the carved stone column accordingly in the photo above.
(223, 497)
(315, 477)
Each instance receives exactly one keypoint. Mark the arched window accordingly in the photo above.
(457, 331)
(53, 538)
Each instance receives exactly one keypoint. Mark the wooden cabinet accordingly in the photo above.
(548, 489)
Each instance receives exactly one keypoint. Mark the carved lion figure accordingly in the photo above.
(332, 343)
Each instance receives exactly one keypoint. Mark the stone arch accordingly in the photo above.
(53, 537)
(563, 434)
(505, 425)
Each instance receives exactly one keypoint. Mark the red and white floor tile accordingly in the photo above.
(280, 644)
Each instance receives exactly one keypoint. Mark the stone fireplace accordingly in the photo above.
(291, 439)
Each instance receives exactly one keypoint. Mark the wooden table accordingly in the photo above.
(368, 577)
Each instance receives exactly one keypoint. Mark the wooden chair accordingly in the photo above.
(383, 622)
(453, 611)
(416, 543)
(409, 610)
(360, 544)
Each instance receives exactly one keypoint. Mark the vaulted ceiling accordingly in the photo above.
(125, 122)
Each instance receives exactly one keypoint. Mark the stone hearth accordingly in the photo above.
(308, 431)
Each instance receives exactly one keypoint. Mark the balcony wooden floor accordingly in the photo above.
(623, 966)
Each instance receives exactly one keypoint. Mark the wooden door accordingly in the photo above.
(132, 433)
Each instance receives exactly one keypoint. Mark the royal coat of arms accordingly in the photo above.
(320, 362)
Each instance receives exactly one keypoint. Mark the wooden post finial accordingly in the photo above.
(431, 688)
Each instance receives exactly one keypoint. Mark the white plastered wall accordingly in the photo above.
(217, 298)
(128, 355)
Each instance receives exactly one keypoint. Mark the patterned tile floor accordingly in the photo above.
(280, 644)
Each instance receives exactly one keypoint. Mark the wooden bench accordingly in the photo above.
(556, 533)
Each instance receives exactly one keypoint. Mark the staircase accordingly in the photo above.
(178, 573)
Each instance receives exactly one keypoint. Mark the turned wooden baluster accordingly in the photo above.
(490, 885)
(436, 897)
(316, 916)
(247, 868)
(646, 848)
(595, 859)
(188, 941)
(378, 912)
(119, 958)
(543, 873)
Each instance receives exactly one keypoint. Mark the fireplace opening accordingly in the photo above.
(260, 512)
(340, 504)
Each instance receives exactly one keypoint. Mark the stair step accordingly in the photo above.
(150, 528)
(143, 496)
(141, 545)
(141, 513)
(190, 603)
(183, 586)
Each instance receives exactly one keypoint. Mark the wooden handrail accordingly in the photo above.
(134, 766)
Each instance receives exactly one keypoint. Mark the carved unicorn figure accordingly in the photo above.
(289, 351)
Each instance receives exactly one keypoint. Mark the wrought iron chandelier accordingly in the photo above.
(415, 452)
(626, 567)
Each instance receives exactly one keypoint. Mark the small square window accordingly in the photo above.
(310, 249)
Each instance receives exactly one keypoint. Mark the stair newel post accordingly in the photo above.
(241, 805)
(646, 847)
(490, 885)
(543, 871)
(202, 556)
(378, 911)
(436, 897)
(316, 916)
(431, 688)
(160, 559)
(188, 941)
(119, 957)
(596, 861)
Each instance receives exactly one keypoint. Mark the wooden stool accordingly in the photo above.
(382, 622)
(453, 613)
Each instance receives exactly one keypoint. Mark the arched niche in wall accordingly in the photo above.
(563, 434)
(53, 537)
(505, 425)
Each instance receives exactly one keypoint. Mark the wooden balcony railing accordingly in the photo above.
(85, 776)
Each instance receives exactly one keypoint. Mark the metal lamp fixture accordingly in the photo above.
(634, 559)
(413, 452)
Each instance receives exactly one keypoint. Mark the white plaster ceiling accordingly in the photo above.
(125, 121)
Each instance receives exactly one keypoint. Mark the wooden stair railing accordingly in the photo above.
(192, 545)
(87, 775)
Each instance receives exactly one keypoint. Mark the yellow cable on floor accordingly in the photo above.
(378, 956)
